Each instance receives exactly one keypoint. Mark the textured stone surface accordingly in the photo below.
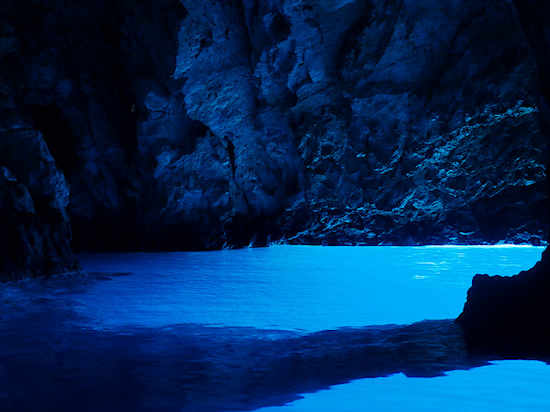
(509, 316)
(194, 125)
(36, 232)
(431, 132)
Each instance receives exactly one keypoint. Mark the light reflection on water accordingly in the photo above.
(505, 386)
(139, 337)
(306, 288)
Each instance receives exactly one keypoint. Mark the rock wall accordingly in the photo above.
(36, 231)
(508, 316)
(197, 125)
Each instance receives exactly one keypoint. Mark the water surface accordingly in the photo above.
(252, 328)
(503, 386)
(306, 288)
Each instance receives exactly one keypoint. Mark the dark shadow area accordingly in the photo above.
(51, 359)
(507, 316)
(53, 125)
(194, 368)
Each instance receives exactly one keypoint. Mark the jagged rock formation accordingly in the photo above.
(509, 316)
(194, 125)
(34, 196)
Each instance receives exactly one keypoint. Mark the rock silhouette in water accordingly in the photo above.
(506, 316)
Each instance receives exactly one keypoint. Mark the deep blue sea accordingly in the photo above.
(169, 328)
(303, 288)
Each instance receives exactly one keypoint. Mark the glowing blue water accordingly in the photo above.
(293, 287)
(315, 288)
(505, 386)
(115, 340)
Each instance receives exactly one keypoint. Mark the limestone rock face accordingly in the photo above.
(429, 130)
(203, 124)
(508, 316)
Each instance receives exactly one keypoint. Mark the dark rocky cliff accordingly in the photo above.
(194, 125)
(509, 316)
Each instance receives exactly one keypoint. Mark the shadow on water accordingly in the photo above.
(50, 360)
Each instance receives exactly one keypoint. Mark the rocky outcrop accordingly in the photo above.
(403, 121)
(421, 118)
(197, 125)
(76, 74)
(509, 316)
(36, 232)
